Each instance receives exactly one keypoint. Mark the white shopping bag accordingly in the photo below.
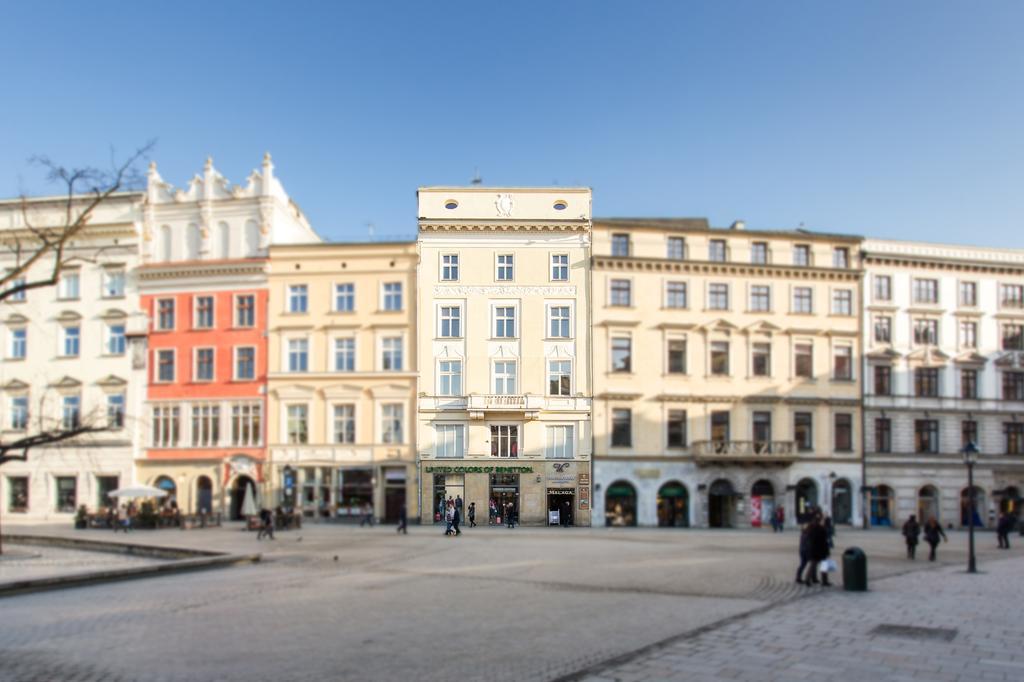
(828, 566)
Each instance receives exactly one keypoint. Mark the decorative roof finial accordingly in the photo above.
(266, 158)
(209, 163)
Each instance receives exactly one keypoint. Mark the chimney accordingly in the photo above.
(739, 225)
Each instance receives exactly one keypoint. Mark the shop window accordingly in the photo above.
(17, 494)
(67, 494)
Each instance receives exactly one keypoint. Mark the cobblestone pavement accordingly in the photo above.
(346, 603)
(43, 562)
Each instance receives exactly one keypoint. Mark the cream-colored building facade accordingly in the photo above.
(504, 395)
(342, 379)
(726, 375)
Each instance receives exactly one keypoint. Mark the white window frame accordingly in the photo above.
(836, 296)
(793, 309)
(294, 296)
(458, 320)
(333, 360)
(761, 342)
(333, 422)
(458, 440)
(750, 298)
(499, 266)
(554, 267)
(158, 317)
(235, 352)
(514, 306)
(156, 365)
(13, 348)
(14, 410)
(195, 364)
(668, 295)
(551, 374)
(287, 348)
(386, 295)
(67, 276)
(505, 375)
(550, 318)
(401, 353)
(567, 446)
(107, 278)
(65, 337)
(402, 416)
(452, 267)
(442, 374)
(335, 295)
(235, 312)
(287, 419)
(195, 311)
(108, 333)
(507, 437)
(728, 297)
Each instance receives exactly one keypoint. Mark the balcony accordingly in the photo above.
(480, 405)
(744, 451)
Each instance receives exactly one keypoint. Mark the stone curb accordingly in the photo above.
(113, 547)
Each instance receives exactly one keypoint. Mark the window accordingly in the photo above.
(968, 334)
(802, 254)
(344, 423)
(19, 412)
(620, 245)
(720, 358)
(72, 341)
(204, 364)
(675, 295)
(1014, 438)
(804, 360)
(69, 285)
(506, 268)
(451, 319)
(622, 427)
(968, 294)
(505, 377)
(842, 366)
(505, 322)
(113, 283)
(298, 424)
(19, 295)
(450, 267)
(969, 383)
(1011, 295)
(115, 410)
(17, 500)
(759, 253)
(166, 428)
(204, 312)
(676, 429)
(559, 377)
(968, 433)
(298, 298)
(883, 380)
(761, 359)
(840, 257)
(245, 363)
(344, 355)
(245, 311)
(926, 291)
(718, 296)
(802, 300)
(246, 424)
(762, 428)
(558, 322)
(205, 426)
(19, 344)
(67, 493)
(883, 288)
(391, 349)
(883, 435)
(1013, 337)
(842, 302)
(926, 436)
(883, 329)
(844, 432)
(504, 440)
(449, 440)
(392, 415)
(716, 250)
(926, 382)
(392, 296)
(560, 267)
(344, 297)
(71, 412)
(298, 355)
(165, 365)
(559, 442)
(760, 298)
(677, 356)
(622, 354)
(1013, 385)
(165, 314)
(803, 431)
(676, 248)
(450, 377)
(720, 426)
(621, 292)
(926, 332)
(115, 339)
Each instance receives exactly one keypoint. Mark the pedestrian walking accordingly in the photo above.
(911, 533)
(1003, 528)
(509, 515)
(805, 556)
(566, 512)
(458, 504)
(367, 519)
(449, 512)
(456, 520)
(932, 532)
(472, 515)
(830, 531)
(818, 551)
(266, 524)
(403, 521)
(779, 520)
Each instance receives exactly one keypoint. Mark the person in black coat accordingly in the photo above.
(1003, 528)
(456, 520)
(911, 533)
(817, 551)
(804, 555)
(932, 532)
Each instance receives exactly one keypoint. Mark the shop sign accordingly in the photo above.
(561, 491)
(584, 498)
(477, 470)
(647, 473)
(584, 479)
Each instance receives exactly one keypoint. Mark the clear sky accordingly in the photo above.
(889, 119)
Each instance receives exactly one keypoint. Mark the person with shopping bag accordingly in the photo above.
(818, 552)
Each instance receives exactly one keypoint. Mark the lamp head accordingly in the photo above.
(970, 453)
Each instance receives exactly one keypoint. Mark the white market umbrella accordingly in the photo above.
(136, 492)
(248, 503)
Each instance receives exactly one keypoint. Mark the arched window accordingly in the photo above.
(979, 507)
(252, 239)
(806, 499)
(927, 504)
(620, 504)
(842, 502)
(673, 505)
(192, 239)
(166, 244)
(204, 495)
(722, 504)
(883, 501)
(223, 240)
(166, 484)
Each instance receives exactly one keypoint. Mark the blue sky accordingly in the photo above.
(888, 119)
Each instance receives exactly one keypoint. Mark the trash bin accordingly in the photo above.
(855, 570)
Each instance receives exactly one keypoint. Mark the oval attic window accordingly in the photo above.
(451, 204)
(561, 205)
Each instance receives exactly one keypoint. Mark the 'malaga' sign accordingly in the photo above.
(478, 470)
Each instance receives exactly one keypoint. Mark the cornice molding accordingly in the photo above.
(665, 265)
(503, 226)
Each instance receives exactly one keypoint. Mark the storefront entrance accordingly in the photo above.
(979, 507)
(560, 506)
(204, 495)
(1010, 502)
(762, 503)
(882, 501)
(620, 505)
(394, 494)
(504, 498)
(673, 506)
(842, 501)
(238, 496)
(806, 499)
(447, 486)
(721, 504)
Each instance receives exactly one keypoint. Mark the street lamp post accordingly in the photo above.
(970, 453)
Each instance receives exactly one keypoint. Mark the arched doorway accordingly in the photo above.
(806, 499)
(166, 484)
(928, 504)
(762, 503)
(673, 506)
(620, 504)
(204, 495)
(721, 504)
(882, 501)
(1009, 503)
(842, 501)
(979, 507)
(238, 496)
